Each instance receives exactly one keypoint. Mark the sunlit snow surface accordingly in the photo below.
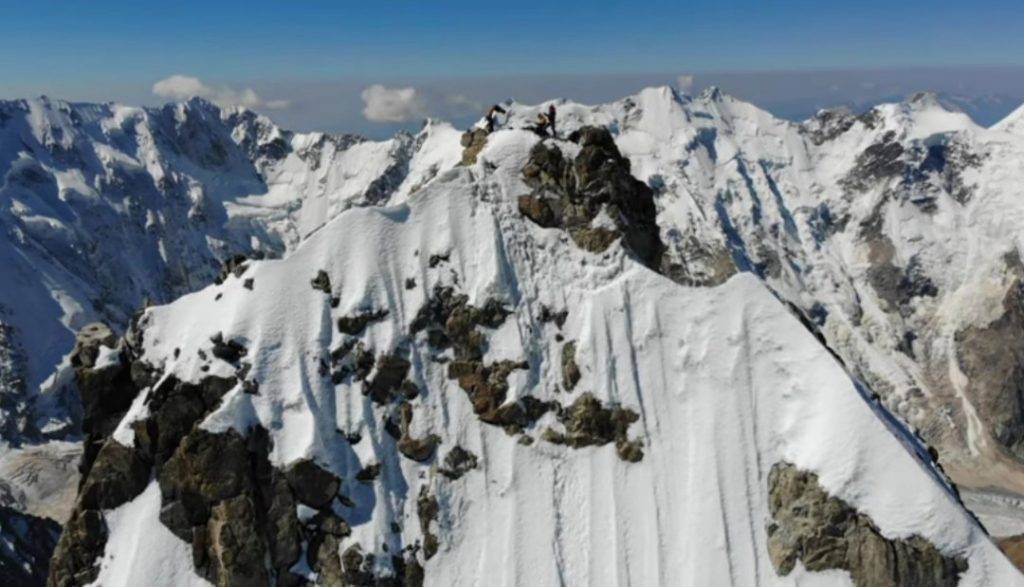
(726, 380)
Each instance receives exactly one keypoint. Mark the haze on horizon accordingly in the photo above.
(375, 69)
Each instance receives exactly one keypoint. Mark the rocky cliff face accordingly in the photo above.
(821, 532)
(28, 543)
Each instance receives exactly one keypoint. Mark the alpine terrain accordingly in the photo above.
(680, 342)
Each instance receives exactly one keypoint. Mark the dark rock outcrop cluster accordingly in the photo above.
(896, 286)
(451, 322)
(417, 449)
(458, 462)
(572, 194)
(588, 423)
(882, 160)
(110, 473)
(106, 391)
(823, 532)
(473, 141)
(355, 325)
(427, 510)
(219, 492)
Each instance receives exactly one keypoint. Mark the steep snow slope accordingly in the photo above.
(1013, 123)
(895, 234)
(726, 385)
(106, 207)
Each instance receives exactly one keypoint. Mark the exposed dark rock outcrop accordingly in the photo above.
(458, 462)
(106, 395)
(235, 265)
(118, 474)
(549, 315)
(218, 490)
(828, 124)
(351, 359)
(992, 357)
(896, 286)
(90, 339)
(882, 160)
(572, 194)
(824, 532)
(111, 473)
(588, 423)
(450, 322)
(417, 449)
(359, 570)
(368, 473)
(389, 380)
(75, 559)
(312, 484)
(427, 510)
(570, 370)
(699, 262)
(322, 282)
(473, 141)
(354, 325)
(230, 351)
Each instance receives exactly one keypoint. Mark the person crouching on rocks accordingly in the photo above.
(545, 125)
(541, 126)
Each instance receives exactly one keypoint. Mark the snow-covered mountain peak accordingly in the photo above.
(923, 115)
(442, 311)
(424, 360)
(712, 94)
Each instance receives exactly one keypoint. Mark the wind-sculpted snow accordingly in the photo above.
(725, 383)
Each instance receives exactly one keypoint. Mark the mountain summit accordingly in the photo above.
(682, 341)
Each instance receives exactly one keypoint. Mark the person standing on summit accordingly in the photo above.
(551, 120)
(492, 117)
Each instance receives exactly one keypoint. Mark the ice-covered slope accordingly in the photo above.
(610, 425)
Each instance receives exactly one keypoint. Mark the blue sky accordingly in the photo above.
(117, 49)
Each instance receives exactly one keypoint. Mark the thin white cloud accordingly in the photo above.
(383, 104)
(183, 87)
(685, 83)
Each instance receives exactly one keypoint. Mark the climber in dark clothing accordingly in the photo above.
(551, 120)
(492, 116)
(541, 126)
